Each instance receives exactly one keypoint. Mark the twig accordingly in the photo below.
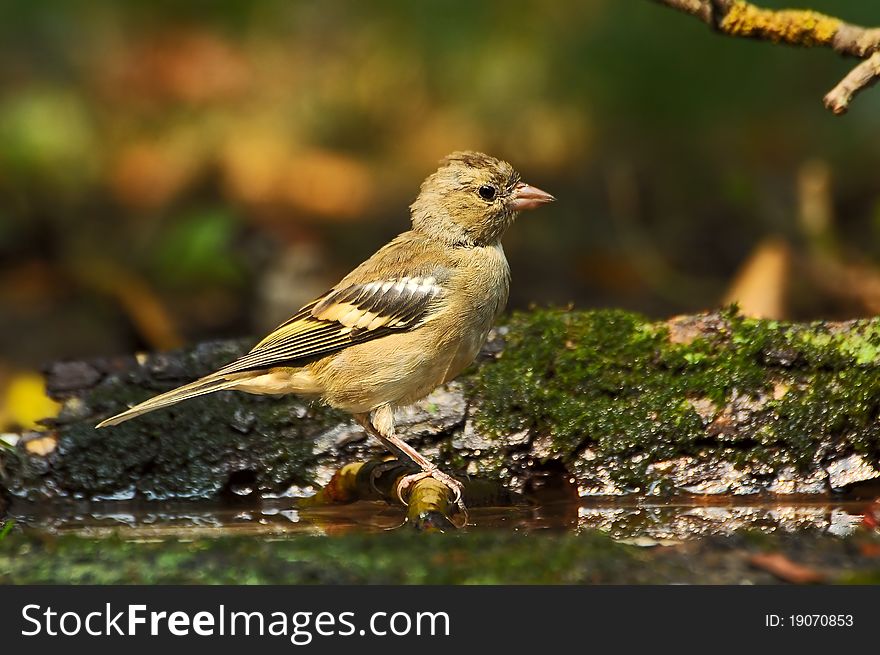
(429, 506)
(795, 27)
(857, 80)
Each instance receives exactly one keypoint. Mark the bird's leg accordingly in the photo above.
(381, 426)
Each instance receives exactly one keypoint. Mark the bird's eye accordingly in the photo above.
(487, 192)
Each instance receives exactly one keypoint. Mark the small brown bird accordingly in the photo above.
(408, 319)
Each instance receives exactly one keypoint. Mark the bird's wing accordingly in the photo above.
(349, 314)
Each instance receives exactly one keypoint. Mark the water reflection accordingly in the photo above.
(640, 521)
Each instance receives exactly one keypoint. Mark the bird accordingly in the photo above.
(411, 317)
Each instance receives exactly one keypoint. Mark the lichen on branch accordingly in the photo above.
(797, 27)
(790, 26)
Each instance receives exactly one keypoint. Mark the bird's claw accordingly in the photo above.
(406, 482)
(379, 470)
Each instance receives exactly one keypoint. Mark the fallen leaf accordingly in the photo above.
(871, 518)
(783, 568)
(869, 550)
(760, 285)
(26, 402)
(40, 444)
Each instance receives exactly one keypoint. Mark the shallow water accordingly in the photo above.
(643, 521)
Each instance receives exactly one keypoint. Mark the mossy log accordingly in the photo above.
(602, 402)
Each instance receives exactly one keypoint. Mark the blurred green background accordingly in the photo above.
(175, 171)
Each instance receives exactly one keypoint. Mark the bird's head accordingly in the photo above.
(472, 199)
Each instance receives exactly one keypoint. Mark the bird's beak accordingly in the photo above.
(528, 197)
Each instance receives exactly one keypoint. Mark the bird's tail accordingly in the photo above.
(200, 387)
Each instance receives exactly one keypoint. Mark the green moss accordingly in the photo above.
(616, 383)
(405, 557)
(868, 577)
(395, 557)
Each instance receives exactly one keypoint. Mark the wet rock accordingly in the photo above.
(790, 481)
(444, 409)
(338, 437)
(63, 377)
(243, 420)
(73, 409)
(850, 470)
(469, 439)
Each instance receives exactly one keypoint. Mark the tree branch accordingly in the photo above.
(429, 507)
(799, 28)
(859, 78)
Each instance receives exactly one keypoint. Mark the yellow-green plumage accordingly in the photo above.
(409, 318)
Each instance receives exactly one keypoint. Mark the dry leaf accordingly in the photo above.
(759, 286)
(783, 568)
(25, 402)
(41, 445)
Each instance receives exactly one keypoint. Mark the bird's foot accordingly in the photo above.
(455, 487)
(381, 470)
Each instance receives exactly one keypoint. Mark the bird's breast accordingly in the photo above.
(484, 287)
